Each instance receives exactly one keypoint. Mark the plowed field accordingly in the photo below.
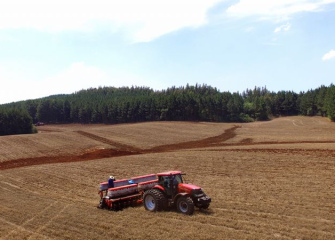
(267, 180)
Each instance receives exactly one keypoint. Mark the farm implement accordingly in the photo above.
(157, 191)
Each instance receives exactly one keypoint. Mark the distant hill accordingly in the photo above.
(186, 103)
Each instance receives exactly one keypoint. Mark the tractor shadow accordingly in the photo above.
(197, 211)
(202, 211)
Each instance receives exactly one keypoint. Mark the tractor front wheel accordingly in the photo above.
(185, 205)
(154, 200)
(205, 206)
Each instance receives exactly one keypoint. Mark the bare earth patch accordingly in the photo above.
(268, 180)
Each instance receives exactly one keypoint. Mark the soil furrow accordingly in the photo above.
(122, 150)
(118, 145)
(127, 150)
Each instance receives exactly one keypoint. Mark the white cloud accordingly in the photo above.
(17, 86)
(141, 20)
(329, 55)
(283, 28)
(77, 76)
(81, 76)
(249, 29)
(7, 37)
(13, 88)
(277, 10)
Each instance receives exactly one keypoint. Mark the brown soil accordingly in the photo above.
(267, 180)
(122, 150)
(94, 154)
(127, 150)
(118, 145)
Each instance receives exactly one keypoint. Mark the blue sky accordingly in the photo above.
(53, 47)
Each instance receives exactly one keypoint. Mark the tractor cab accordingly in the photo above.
(170, 181)
(173, 183)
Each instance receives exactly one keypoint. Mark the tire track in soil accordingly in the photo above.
(20, 228)
(249, 142)
(25, 223)
(304, 152)
(126, 150)
(121, 150)
(96, 154)
(118, 145)
(48, 222)
(203, 143)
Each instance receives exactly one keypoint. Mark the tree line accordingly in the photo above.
(15, 121)
(112, 105)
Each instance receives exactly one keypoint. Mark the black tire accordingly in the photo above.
(154, 200)
(205, 206)
(101, 203)
(185, 205)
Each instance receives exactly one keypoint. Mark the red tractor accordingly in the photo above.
(172, 191)
(157, 191)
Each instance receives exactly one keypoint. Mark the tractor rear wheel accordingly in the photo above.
(154, 200)
(185, 205)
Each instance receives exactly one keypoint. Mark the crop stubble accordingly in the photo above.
(264, 184)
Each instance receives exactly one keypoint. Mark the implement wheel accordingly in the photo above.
(102, 204)
(154, 200)
(185, 205)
